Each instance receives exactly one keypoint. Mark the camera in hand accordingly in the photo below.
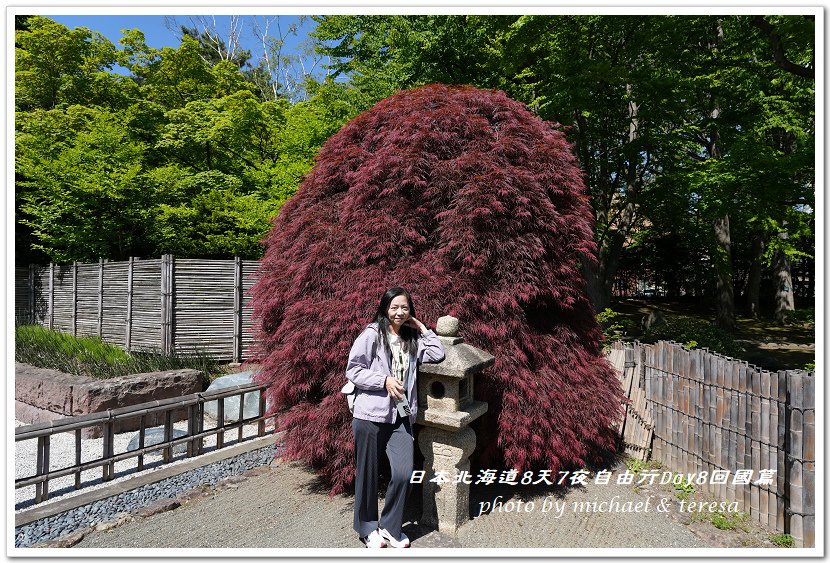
(403, 407)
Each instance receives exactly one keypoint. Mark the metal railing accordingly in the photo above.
(196, 433)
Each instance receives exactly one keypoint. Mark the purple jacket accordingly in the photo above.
(368, 368)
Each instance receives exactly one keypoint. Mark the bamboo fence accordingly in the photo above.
(161, 304)
(712, 412)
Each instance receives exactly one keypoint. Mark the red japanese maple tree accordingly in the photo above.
(478, 208)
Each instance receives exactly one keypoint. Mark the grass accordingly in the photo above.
(90, 356)
(782, 540)
(636, 466)
(726, 521)
(729, 520)
(683, 489)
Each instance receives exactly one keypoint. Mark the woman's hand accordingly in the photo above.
(416, 324)
(395, 388)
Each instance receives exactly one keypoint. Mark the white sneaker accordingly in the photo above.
(402, 542)
(374, 540)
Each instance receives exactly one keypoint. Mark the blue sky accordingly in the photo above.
(157, 34)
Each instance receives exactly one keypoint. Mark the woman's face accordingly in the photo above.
(398, 312)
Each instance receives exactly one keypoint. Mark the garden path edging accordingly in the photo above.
(52, 509)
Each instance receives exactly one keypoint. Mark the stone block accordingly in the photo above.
(447, 326)
(31, 414)
(452, 420)
(44, 394)
(460, 359)
(446, 507)
(439, 393)
(47, 389)
(114, 393)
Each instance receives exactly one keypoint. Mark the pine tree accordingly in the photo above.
(479, 209)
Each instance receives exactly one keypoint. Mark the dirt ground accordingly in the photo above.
(285, 506)
(767, 345)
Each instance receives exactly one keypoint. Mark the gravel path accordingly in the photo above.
(563, 525)
(287, 507)
(62, 454)
(145, 497)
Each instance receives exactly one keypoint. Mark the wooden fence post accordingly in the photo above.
(795, 497)
(100, 297)
(51, 318)
(808, 467)
(782, 523)
(129, 319)
(167, 297)
(75, 298)
(237, 309)
(32, 293)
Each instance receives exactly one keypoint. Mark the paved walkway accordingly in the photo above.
(286, 507)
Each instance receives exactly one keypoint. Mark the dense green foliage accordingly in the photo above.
(695, 134)
(180, 157)
(803, 316)
(612, 325)
(685, 125)
(90, 356)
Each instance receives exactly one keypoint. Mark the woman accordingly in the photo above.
(382, 365)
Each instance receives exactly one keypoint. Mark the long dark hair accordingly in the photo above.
(408, 334)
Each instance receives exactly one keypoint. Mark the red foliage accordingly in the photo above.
(478, 208)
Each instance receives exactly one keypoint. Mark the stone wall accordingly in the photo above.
(42, 395)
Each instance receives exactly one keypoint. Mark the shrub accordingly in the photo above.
(477, 207)
(802, 316)
(636, 465)
(92, 357)
(694, 332)
(611, 323)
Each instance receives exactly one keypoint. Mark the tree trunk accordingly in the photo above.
(723, 265)
(595, 285)
(753, 289)
(784, 302)
(722, 260)
(600, 277)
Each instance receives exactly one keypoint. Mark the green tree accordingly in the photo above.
(206, 214)
(383, 54)
(644, 99)
(191, 161)
(58, 67)
(596, 75)
(82, 195)
(233, 162)
(176, 77)
(744, 147)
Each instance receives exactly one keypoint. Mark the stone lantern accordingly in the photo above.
(446, 408)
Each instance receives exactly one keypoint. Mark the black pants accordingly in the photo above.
(371, 439)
